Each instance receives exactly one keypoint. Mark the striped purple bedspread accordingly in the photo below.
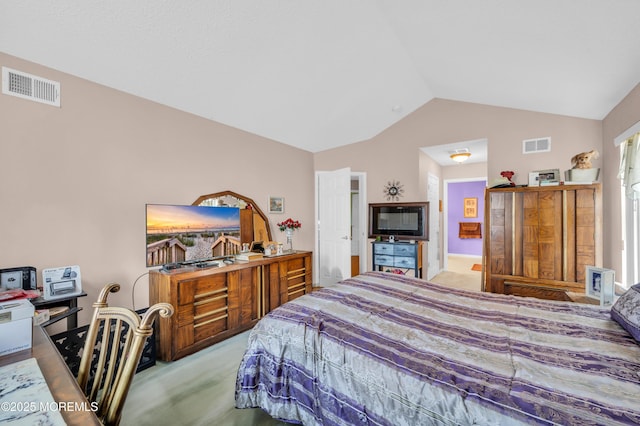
(384, 349)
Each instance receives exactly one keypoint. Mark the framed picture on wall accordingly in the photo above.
(276, 205)
(470, 207)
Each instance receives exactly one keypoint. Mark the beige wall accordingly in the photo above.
(74, 180)
(465, 171)
(395, 153)
(621, 118)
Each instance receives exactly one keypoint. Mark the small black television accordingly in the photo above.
(403, 221)
(186, 234)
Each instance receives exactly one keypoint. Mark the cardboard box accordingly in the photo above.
(16, 325)
(41, 316)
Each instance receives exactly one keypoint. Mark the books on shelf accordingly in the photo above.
(249, 255)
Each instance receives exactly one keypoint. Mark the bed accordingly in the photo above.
(386, 349)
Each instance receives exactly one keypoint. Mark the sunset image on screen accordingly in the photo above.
(176, 219)
(178, 234)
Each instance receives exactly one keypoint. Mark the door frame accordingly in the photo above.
(361, 177)
(445, 214)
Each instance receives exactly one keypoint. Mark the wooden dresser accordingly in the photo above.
(216, 303)
(540, 239)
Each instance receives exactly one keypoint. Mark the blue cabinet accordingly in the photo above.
(397, 257)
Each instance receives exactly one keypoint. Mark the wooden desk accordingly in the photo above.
(62, 384)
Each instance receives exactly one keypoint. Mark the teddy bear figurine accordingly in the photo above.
(583, 160)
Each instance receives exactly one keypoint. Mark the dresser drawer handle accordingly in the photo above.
(211, 299)
(210, 293)
(206, 314)
(296, 276)
(211, 320)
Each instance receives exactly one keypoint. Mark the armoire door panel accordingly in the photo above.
(497, 265)
(547, 234)
(498, 235)
(529, 234)
(530, 200)
(585, 217)
(585, 239)
(586, 198)
(542, 236)
(497, 201)
(498, 218)
(531, 216)
(515, 233)
(569, 237)
(548, 268)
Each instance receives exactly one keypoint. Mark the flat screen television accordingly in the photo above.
(183, 234)
(403, 221)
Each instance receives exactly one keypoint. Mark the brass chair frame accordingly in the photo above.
(116, 361)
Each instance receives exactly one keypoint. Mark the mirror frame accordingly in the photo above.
(247, 200)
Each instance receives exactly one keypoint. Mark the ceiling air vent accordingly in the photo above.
(27, 86)
(529, 146)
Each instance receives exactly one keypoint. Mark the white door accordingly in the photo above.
(433, 247)
(334, 226)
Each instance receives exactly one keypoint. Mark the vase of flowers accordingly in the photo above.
(288, 226)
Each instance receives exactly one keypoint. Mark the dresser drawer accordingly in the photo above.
(384, 260)
(404, 262)
(190, 291)
(404, 250)
(383, 249)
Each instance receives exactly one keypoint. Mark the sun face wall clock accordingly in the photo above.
(393, 190)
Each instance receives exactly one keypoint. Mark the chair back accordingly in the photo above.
(109, 362)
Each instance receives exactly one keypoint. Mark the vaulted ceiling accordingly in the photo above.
(321, 74)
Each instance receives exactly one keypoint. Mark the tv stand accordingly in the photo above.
(398, 257)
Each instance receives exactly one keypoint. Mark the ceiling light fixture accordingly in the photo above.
(460, 155)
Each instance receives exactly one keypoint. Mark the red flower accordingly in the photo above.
(289, 224)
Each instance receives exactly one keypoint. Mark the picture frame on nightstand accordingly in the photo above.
(600, 284)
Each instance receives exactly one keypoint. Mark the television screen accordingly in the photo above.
(178, 234)
(400, 220)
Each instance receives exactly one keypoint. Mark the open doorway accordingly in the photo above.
(464, 229)
(358, 224)
(461, 162)
(341, 213)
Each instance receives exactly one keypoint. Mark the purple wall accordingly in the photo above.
(456, 193)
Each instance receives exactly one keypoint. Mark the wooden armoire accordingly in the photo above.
(539, 240)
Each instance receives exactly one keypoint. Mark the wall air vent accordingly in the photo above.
(529, 146)
(27, 86)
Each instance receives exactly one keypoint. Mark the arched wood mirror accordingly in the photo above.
(254, 225)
